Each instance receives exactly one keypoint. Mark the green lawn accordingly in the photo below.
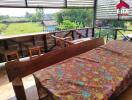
(22, 28)
(2, 26)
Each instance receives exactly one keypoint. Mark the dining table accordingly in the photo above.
(102, 73)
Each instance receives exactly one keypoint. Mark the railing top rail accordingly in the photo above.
(37, 34)
(118, 28)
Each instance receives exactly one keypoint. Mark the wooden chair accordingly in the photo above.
(13, 54)
(62, 42)
(30, 45)
(16, 70)
(33, 50)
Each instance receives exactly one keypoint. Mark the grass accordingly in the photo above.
(25, 28)
(2, 27)
(22, 28)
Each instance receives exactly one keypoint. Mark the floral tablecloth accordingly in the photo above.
(100, 74)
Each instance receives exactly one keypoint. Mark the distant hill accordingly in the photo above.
(7, 19)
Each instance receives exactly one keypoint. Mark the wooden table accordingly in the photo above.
(80, 40)
(100, 74)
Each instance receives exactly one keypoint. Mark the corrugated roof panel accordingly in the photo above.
(80, 3)
(46, 3)
(106, 9)
(12, 3)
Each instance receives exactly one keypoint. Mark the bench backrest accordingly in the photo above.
(16, 70)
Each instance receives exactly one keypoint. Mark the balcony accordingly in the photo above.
(74, 64)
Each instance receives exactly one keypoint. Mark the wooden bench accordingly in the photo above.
(17, 70)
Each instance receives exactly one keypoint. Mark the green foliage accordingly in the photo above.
(2, 27)
(114, 23)
(82, 17)
(3, 17)
(28, 16)
(67, 24)
(38, 16)
(22, 28)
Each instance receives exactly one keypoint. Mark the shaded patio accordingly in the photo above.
(57, 46)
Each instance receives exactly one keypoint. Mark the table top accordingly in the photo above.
(80, 40)
(95, 75)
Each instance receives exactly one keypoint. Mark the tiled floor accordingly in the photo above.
(6, 90)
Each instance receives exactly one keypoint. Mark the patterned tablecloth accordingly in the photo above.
(98, 74)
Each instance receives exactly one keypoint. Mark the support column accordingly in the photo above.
(94, 19)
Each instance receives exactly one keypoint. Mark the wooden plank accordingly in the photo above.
(22, 69)
(19, 89)
(45, 43)
(5, 44)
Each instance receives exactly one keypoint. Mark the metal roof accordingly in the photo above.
(46, 3)
(105, 9)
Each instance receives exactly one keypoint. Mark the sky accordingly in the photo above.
(22, 11)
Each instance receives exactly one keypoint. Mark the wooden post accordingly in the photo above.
(21, 51)
(19, 89)
(73, 35)
(115, 35)
(87, 32)
(54, 39)
(45, 43)
(5, 44)
(94, 19)
(100, 32)
(34, 41)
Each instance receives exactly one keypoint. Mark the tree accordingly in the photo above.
(4, 17)
(80, 16)
(28, 16)
(67, 24)
(113, 23)
(39, 14)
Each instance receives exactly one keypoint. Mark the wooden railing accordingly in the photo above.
(43, 39)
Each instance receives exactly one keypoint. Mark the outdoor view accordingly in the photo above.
(14, 21)
(65, 49)
(39, 20)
